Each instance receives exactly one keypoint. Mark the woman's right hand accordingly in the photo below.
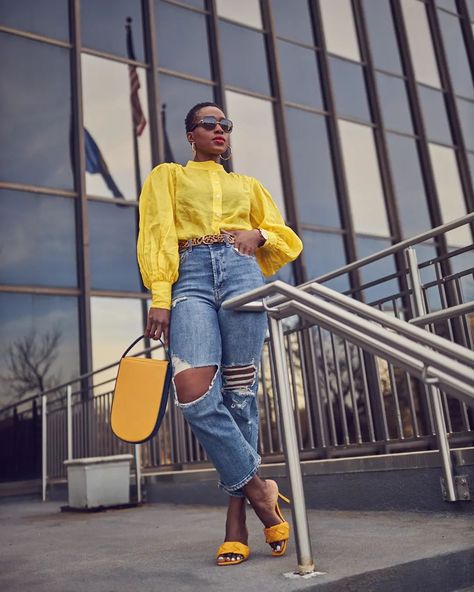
(158, 323)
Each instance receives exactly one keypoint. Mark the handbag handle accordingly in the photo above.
(167, 353)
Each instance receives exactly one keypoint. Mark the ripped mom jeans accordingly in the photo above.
(202, 333)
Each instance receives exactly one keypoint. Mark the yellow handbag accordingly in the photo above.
(140, 396)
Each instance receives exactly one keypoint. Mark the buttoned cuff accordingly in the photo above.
(161, 294)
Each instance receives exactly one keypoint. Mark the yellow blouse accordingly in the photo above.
(180, 203)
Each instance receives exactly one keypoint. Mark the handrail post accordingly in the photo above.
(138, 471)
(298, 506)
(69, 422)
(44, 446)
(449, 491)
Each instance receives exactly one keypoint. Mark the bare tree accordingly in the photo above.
(29, 362)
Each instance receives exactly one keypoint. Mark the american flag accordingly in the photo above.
(139, 121)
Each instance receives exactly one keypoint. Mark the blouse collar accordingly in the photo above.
(207, 165)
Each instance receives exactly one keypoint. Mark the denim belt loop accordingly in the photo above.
(190, 245)
(226, 240)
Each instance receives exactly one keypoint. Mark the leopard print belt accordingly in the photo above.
(208, 239)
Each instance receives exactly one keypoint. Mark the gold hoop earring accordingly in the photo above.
(193, 148)
(227, 157)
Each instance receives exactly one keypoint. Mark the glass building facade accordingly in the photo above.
(358, 116)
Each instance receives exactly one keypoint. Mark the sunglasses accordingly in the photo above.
(210, 122)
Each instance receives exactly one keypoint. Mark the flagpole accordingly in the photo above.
(136, 161)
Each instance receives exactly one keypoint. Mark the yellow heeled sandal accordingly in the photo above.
(232, 547)
(278, 533)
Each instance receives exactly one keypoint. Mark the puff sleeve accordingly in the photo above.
(157, 243)
(283, 245)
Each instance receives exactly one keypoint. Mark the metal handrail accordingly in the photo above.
(410, 346)
(400, 246)
(443, 315)
(285, 292)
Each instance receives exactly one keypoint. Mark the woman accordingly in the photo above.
(205, 236)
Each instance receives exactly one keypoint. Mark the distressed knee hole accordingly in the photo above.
(239, 378)
(191, 384)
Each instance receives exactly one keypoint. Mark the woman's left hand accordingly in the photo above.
(246, 241)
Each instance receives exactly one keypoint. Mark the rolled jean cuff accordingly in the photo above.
(234, 489)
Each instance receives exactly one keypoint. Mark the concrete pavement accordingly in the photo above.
(165, 547)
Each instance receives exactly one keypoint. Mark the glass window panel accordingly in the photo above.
(173, 24)
(470, 158)
(195, 3)
(37, 239)
(313, 173)
(470, 7)
(113, 237)
(116, 322)
(48, 17)
(349, 89)
(421, 44)
(450, 194)
(294, 60)
(394, 103)
(466, 116)
(382, 38)
(243, 46)
(378, 269)
(456, 53)
(459, 264)
(447, 5)
(434, 113)
(43, 326)
(324, 252)
(254, 143)
(35, 130)
(339, 28)
(178, 96)
(246, 12)
(409, 188)
(363, 179)
(292, 20)
(111, 168)
(103, 26)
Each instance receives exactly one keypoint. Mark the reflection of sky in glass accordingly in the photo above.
(243, 46)
(324, 252)
(394, 103)
(182, 42)
(116, 322)
(246, 12)
(466, 115)
(113, 237)
(420, 42)
(108, 118)
(435, 117)
(382, 38)
(349, 89)
(409, 187)
(35, 109)
(37, 239)
(378, 269)
(24, 317)
(48, 17)
(363, 179)
(296, 88)
(456, 54)
(313, 174)
(292, 20)
(254, 144)
(339, 28)
(179, 96)
(103, 26)
(450, 193)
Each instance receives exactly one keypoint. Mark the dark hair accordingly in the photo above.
(189, 121)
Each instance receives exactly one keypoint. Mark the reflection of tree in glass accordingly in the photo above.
(29, 362)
